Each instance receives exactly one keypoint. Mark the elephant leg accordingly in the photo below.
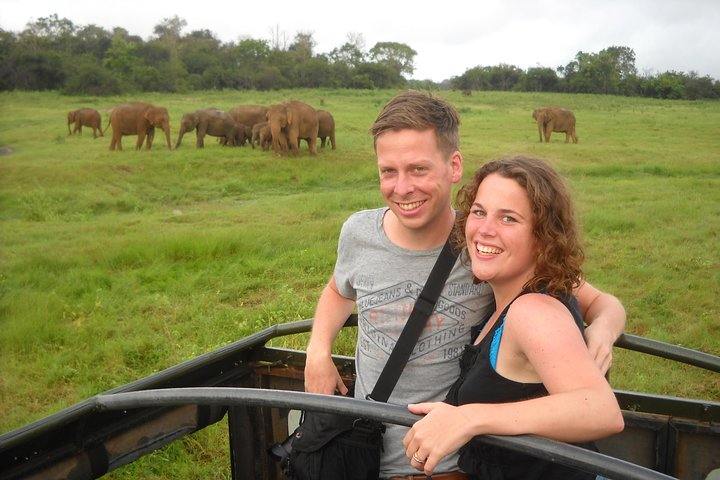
(140, 139)
(285, 145)
(312, 144)
(332, 140)
(200, 137)
(150, 138)
(116, 142)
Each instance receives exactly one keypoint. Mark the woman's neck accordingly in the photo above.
(506, 292)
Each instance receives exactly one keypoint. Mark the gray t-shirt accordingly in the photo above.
(386, 280)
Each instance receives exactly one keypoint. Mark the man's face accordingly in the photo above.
(416, 178)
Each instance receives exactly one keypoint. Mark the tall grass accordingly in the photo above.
(115, 265)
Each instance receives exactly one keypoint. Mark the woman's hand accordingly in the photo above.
(442, 431)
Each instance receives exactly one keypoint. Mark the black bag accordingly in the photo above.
(332, 446)
(328, 445)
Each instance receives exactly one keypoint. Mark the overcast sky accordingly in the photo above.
(449, 36)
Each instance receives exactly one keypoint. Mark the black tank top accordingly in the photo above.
(480, 383)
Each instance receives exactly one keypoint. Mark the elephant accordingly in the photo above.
(249, 114)
(244, 134)
(88, 117)
(262, 136)
(289, 122)
(141, 119)
(555, 120)
(214, 122)
(326, 128)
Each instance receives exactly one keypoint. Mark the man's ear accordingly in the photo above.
(456, 163)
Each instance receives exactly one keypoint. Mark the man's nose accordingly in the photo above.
(404, 184)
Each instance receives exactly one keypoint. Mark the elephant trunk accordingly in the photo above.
(278, 147)
(180, 136)
(540, 128)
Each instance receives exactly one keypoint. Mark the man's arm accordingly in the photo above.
(605, 317)
(321, 375)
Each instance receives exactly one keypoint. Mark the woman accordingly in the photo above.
(528, 370)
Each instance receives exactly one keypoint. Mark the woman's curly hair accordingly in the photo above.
(559, 251)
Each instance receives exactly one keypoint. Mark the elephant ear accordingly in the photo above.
(289, 116)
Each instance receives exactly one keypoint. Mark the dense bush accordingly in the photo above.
(54, 54)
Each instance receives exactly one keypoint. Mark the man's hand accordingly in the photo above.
(321, 375)
(600, 344)
(605, 317)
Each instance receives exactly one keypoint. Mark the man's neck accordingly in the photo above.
(431, 236)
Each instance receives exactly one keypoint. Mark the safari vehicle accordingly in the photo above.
(258, 387)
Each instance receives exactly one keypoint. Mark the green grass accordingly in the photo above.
(115, 265)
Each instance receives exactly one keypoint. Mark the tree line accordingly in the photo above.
(611, 71)
(53, 53)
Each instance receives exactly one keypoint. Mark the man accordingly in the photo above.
(384, 258)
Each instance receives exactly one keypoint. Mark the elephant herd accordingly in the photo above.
(280, 126)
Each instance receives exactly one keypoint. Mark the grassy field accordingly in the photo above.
(116, 265)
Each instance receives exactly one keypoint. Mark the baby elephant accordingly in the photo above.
(213, 122)
(555, 120)
(88, 117)
(262, 136)
(326, 128)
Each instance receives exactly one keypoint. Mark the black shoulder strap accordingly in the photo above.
(424, 306)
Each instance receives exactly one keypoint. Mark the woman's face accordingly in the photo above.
(499, 232)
